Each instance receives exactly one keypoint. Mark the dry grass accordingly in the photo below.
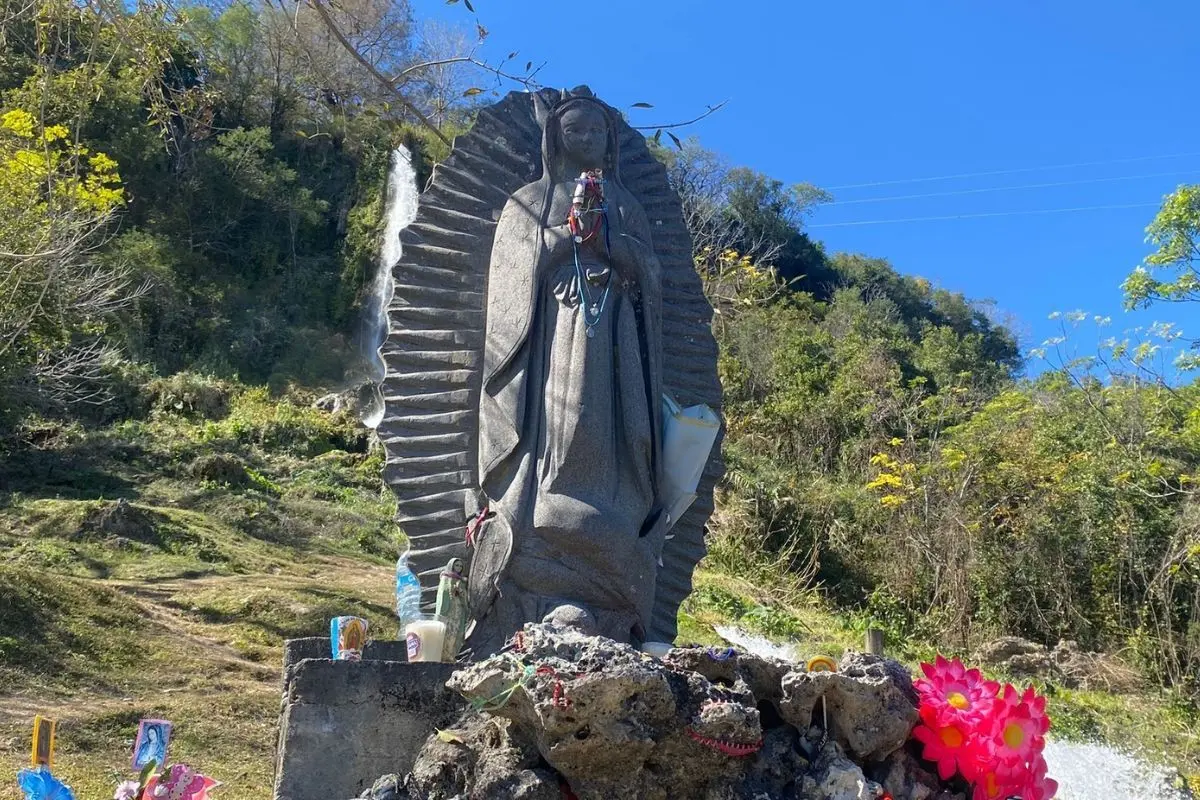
(177, 606)
(204, 655)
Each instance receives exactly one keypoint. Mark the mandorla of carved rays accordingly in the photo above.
(434, 349)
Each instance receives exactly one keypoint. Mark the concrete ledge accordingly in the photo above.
(296, 650)
(345, 723)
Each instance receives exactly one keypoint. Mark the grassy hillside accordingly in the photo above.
(154, 568)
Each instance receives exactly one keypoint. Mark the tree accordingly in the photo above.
(1175, 231)
(737, 209)
(767, 211)
(441, 86)
(56, 201)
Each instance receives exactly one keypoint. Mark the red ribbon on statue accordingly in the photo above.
(474, 526)
(588, 202)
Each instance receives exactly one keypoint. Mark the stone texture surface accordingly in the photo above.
(902, 775)
(570, 715)
(343, 723)
(451, 301)
(869, 702)
(1016, 656)
(1067, 664)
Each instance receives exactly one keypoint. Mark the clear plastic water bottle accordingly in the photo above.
(408, 592)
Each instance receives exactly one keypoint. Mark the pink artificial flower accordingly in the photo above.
(989, 777)
(126, 790)
(994, 742)
(948, 746)
(182, 783)
(992, 786)
(956, 694)
(1018, 726)
(1038, 786)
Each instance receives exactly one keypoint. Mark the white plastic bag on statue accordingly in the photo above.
(688, 438)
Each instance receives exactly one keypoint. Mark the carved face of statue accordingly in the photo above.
(585, 135)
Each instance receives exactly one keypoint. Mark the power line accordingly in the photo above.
(1003, 188)
(1008, 171)
(980, 216)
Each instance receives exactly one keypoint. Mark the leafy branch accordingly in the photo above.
(333, 28)
(658, 129)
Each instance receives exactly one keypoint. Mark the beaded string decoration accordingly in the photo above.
(587, 219)
(726, 746)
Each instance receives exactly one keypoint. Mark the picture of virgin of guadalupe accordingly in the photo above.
(151, 744)
(570, 409)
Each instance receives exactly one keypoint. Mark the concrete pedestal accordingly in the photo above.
(343, 723)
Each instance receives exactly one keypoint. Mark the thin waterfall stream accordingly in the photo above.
(400, 210)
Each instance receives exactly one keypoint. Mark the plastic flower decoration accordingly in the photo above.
(990, 779)
(1039, 787)
(180, 782)
(127, 790)
(992, 738)
(945, 745)
(991, 785)
(1019, 725)
(39, 784)
(956, 694)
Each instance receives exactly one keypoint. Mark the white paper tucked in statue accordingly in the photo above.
(688, 438)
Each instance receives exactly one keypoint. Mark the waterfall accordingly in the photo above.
(399, 211)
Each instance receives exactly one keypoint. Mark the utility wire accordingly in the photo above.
(1003, 188)
(1007, 171)
(980, 216)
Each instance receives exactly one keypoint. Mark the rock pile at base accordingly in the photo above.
(1066, 664)
(561, 714)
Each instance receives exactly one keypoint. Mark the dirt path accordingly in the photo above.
(174, 628)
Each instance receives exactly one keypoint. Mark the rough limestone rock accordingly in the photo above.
(902, 774)
(479, 752)
(1017, 657)
(561, 714)
(835, 777)
(352, 400)
(389, 787)
(869, 702)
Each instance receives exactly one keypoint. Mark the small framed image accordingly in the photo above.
(153, 737)
(348, 637)
(43, 742)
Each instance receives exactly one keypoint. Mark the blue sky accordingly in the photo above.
(846, 93)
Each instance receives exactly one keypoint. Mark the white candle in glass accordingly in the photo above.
(425, 639)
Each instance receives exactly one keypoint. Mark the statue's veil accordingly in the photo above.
(434, 351)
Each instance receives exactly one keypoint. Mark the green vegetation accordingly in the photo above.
(154, 566)
(883, 449)
(190, 206)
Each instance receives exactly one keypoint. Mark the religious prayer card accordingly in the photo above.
(43, 741)
(154, 735)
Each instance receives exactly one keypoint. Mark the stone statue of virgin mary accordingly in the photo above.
(570, 409)
(562, 514)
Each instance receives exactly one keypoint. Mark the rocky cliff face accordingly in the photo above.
(560, 715)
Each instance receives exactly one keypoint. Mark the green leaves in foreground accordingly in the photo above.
(1176, 233)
